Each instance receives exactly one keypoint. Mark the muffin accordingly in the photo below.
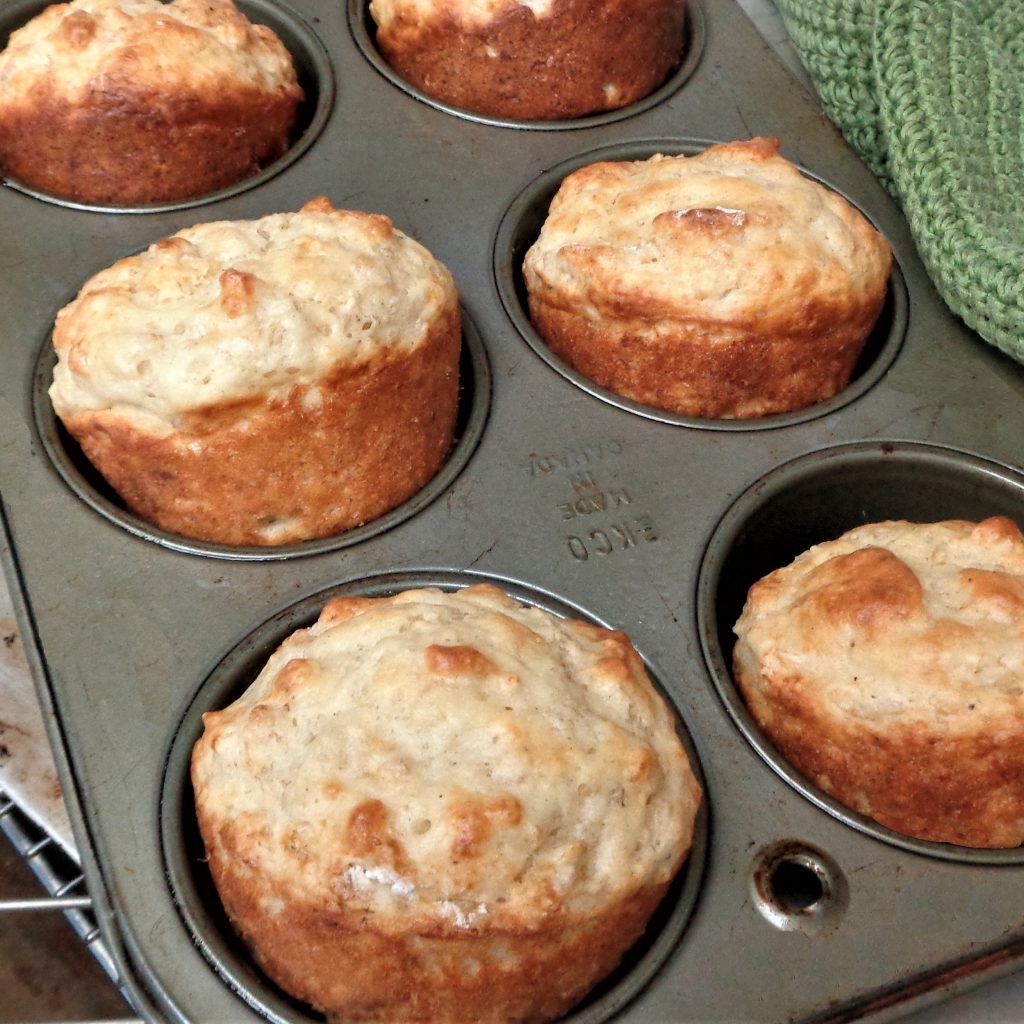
(444, 807)
(722, 285)
(136, 101)
(267, 381)
(532, 60)
(888, 667)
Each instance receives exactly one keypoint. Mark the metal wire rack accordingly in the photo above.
(62, 879)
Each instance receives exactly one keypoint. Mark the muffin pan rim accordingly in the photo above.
(271, 12)
(507, 271)
(755, 496)
(238, 969)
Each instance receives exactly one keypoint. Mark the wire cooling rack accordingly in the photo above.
(63, 882)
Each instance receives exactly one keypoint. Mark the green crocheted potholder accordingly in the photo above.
(930, 92)
(834, 39)
(950, 76)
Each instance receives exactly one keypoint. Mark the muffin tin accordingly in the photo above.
(571, 499)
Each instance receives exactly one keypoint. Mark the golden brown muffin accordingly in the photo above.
(888, 667)
(720, 285)
(268, 381)
(444, 807)
(532, 59)
(135, 101)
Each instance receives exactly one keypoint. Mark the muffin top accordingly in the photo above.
(735, 235)
(408, 17)
(102, 51)
(452, 761)
(898, 622)
(230, 310)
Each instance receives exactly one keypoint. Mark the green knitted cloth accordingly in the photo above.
(930, 93)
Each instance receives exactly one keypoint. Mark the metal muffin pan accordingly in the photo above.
(633, 520)
(190, 879)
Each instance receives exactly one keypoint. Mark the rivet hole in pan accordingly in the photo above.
(815, 498)
(522, 223)
(798, 888)
(312, 66)
(189, 879)
(364, 31)
(81, 476)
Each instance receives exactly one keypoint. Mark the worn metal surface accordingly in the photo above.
(565, 493)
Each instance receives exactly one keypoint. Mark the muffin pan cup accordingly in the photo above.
(565, 495)
(312, 68)
(88, 484)
(192, 885)
(816, 498)
(364, 31)
(522, 224)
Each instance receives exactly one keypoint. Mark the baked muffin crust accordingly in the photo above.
(532, 60)
(888, 667)
(722, 285)
(472, 804)
(132, 101)
(264, 381)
